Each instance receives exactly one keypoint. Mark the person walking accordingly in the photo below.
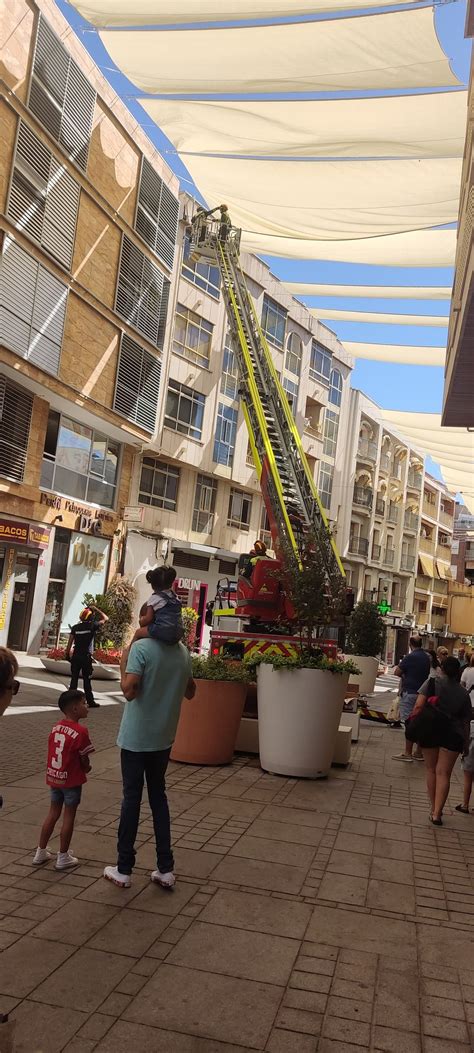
(413, 670)
(467, 676)
(154, 679)
(441, 722)
(81, 642)
(9, 686)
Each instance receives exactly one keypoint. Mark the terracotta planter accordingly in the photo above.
(208, 724)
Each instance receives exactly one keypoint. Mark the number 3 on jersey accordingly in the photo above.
(57, 760)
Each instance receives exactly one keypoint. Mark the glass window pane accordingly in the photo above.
(99, 448)
(74, 446)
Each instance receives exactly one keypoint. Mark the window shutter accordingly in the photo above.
(142, 293)
(138, 384)
(43, 200)
(15, 419)
(189, 559)
(163, 313)
(157, 214)
(61, 96)
(32, 308)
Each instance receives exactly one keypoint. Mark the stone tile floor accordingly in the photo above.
(309, 916)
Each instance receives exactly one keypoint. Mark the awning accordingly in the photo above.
(170, 12)
(405, 353)
(444, 570)
(415, 248)
(436, 321)
(384, 292)
(427, 565)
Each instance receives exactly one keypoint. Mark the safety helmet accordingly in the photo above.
(260, 547)
(85, 614)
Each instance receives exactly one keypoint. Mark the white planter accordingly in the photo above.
(299, 711)
(369, 668)
(99, 671)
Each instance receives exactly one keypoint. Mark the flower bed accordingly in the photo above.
(106, 663)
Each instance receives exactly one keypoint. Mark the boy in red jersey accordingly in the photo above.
(69, 747)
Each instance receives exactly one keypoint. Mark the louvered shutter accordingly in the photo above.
(15, 418)
(32, 308)
(157, 214)
(44, 199)
(61, 96)
(142, 292)
(138, 384)
(163, 313)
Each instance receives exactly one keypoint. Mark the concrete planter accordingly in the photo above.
(209, 723)
(299, 712)
(99, 671)
(369, 668)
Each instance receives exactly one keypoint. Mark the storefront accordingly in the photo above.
(25, 558)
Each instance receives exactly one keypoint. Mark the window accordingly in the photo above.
(240, 508)
(79, 462)
(32, 308)
(325, 483)
(291, 392)
(184, 410)
(230, 375)
(265, 532)
(158, 484)
(61, 96)
(201, 274)
(335, 387)
(273, 322)
(157, 214)
(192, 336)
(16, 407)
(294, 354)
(331, 425)
(204, 504)
(320, 362)
(142, 293)
(43, 200)
(226, 430)
(138, 384)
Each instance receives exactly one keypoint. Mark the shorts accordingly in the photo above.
(468, 761)
(407, 702)
(70, 796)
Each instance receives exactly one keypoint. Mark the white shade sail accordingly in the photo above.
(431, 125)
(417, 248)
(378, 316)
(331, 199)
(384, 292)
(451, 448)
(393, 50)
(403, 354)
(170, 12)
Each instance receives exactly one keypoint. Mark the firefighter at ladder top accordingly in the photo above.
(225, 222)
(258, 552)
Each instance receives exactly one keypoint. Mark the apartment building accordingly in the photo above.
(88, 231)
(434, 561)
(462, 552)
(195, 486)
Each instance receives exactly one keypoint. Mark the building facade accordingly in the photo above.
(462, 554)
(87, 239)
(434, 562)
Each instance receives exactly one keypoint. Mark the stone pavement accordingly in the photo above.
(308, 916)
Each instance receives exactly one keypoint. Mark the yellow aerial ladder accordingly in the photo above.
(292, 501)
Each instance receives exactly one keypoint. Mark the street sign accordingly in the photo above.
(133, 514)
(384, 607)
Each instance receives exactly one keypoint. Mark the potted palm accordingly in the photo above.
(300, 698)
(208, 724)
(365, 640)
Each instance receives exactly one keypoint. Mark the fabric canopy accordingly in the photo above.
(451, 448)
(418, 248)
(431, 125)
(384, 292)
(331, 199)
(168, 12)
(443, 570)
(413, 356)
(427, 565)
(378, 316)
(393, 50)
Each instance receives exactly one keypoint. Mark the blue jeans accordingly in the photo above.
(407, 702)
(70, 795)
(136, 767)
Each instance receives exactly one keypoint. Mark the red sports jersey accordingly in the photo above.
(67, 743)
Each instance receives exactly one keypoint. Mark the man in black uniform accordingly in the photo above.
(81, 641)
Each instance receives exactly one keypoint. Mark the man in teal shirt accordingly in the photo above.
(154, 678)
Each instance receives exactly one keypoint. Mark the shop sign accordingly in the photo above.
(188, 583)
(86, 572)
(36, 535)
(133, 514)
(6, 587)
(87, 520)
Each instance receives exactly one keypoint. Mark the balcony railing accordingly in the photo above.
(423, 582)
(438, 621)
(367, 449)
(384, 463)
(389, 556)
(443, 551)
(376, 552)
(429, 508)
(393, 513)
(399, 601)
(379, 506)
(414, 480)
(407, 561)
(427, 545)
(440, 587)
(396, 470)
(363, 497)
(359, 546)
(446, 518)
(410, 521)
(370, 595)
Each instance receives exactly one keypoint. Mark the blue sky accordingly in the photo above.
(392, 386)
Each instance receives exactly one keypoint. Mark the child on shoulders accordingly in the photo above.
(162, 619)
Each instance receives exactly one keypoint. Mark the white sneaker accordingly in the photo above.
(165, 880)
(42, 855)
(65, 861)
(403, 757)
(121, 880)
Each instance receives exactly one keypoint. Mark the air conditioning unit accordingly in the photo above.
(426, 628)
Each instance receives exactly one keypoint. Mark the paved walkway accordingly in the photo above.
(308, 916)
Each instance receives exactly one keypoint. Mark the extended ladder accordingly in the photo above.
(291, 498)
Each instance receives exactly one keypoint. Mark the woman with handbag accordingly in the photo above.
(440, 723)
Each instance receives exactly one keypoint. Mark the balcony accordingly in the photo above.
(379, 506)
(440, 587)
(411, 522)
(429, 508)
(359, 546)
(414, 480)
(376, 553)
(363, 497)
(444, 552)
(384, 463)
(370, 595)
(446, 518)
(399, 601)
(427, 545)
(407, 561)
(393, 513)
(396, 470)
(438, 621)
(367, 451)
(423, 583)
(389, 557)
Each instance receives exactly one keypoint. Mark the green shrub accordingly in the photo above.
(214, 667)
(366, 635)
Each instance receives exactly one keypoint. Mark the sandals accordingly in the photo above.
(436, 822)
(462, 808)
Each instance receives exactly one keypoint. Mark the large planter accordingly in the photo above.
(99, 670)
(369, 668)
(298, 718)
(208, 724)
